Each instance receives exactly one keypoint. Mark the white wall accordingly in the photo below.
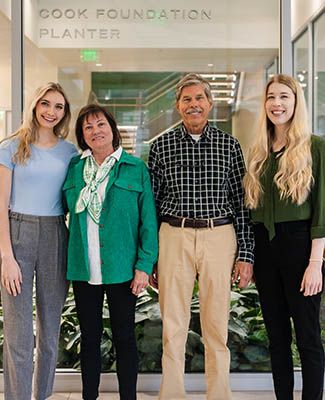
(5, 7)
(302, 11)
(5, 63)
(223, 24)
(30, 19)
(5, 84)
(244, 120)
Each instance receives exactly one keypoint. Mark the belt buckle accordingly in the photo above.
(207, 223)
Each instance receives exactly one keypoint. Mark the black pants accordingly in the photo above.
(121, 302)
(279, 269)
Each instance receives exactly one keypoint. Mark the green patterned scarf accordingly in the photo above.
(93, 176)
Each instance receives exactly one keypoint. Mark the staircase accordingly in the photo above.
(145, 112)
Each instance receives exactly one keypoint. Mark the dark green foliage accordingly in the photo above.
(247, 336)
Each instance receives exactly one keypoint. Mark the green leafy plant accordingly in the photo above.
(247, 336)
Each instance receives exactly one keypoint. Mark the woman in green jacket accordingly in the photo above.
(112, 244)
(285, 189)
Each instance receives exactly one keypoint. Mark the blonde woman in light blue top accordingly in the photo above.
(33, 240)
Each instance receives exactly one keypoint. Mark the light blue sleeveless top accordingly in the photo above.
(36, 185)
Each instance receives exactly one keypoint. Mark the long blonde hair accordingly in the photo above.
(27, 133)
(294, 176)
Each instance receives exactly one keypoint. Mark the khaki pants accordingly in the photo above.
(184, 255)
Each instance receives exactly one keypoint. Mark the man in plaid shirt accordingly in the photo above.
(197, 173)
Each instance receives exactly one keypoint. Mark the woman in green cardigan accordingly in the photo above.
(285, 190)
(112, 245)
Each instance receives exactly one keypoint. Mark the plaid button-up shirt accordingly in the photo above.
(201, 179)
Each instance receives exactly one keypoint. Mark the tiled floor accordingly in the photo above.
(153, 396)
(193, 396)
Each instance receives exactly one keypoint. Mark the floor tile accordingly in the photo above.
(193, 396)
(153, 396)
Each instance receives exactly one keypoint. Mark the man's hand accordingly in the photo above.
(140, 282)
(242, 273)
(153, 278)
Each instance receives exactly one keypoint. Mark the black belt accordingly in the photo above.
(196, 223)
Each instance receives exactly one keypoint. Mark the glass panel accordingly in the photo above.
(272, 69)
(301, 72)
(319, 106)
(5, 69)
(319, 94)
(129, 58)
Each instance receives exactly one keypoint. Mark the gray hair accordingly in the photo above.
(190, 80)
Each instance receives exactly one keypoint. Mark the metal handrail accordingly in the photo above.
(160, 83)
(161, 133)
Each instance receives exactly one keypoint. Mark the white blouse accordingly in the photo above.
(92, 229)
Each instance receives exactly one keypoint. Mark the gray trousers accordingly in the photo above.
(40, 248)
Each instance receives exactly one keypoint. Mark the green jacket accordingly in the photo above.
(127, 226)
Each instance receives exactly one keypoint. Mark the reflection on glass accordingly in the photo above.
(319, 84)
(272, 69)
(2, 124)
(301, 71)
(144, 103)
(5, 68)
(137, 85)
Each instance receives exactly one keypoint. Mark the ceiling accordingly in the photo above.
(204, 60)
